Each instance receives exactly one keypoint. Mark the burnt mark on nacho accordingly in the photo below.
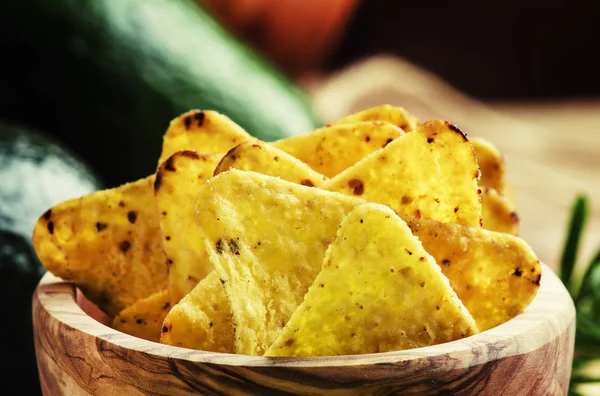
(51, 227)
(233, 247)
(47, 214)
(388, 141)
(199, 117)
(170, 164)
(125, 246)
(189, 153)
(101, 226)
(132, 216)
(456, 129)
(307, 183)
(517, 272)
(220, 245)
(357, 186)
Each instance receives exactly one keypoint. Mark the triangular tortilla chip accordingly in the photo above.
(378, 291)
(495, 275)
(178, 181)
(491, 164)
(202, 131)
(259, 157)
(108, 243)
(202, 319)
(431, 172)
(266, 238)
(393, 114)
(332, 149)
(144, 318)
(498, 213)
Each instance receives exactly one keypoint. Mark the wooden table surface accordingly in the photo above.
(552, 150)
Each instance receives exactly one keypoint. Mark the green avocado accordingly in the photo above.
(35, 174)
(107, 76)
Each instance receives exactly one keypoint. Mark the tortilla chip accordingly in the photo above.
(266, 238)
(498, 213)
(431, 172)
(378, 291)
(491, 164)
(259, 157)
(144, 318)
(495, 275)
(202, 131)
(394, 115)
(108, 243)
(202, 319)
(332, 149)
(178, 181)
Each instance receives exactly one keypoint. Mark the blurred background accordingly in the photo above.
(87, 88)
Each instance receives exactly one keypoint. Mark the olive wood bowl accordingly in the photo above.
(78, 355)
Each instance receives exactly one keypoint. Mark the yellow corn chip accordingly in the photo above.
(332, 149)
(108, 243)
(178, 181)
(259, 157)
(498, 213)
(202, 131)
(495, 275)
(491, 164)
(266, 239)
(431, 173)
(202, 319)
(144, 318)
(378, 291)
(394, 115)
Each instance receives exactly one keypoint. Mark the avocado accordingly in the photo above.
(35, 174)
(107, 76)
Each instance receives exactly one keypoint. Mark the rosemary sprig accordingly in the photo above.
(586, 362)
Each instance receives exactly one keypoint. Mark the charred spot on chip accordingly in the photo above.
(256, 146)
(456, 209)
(51, 227)
(121, 204)
(479, 191)
(125, 246)
(139, 321)
(233, 247)
(307, 183)
(430, 140)
(157, 181)
(167, 326)
(406, 200)
(289, 342)
(537, 280)
(187, 121)
(367, 138)
(211, 324)
(233, 156)
(357, 186)
(456, 129)
(101, 226)
(222, 281)
(220, 245)
(361, 221)
(164, 213)
(422, 284)
(418, 214)
(132, 216)
(446, 262)
(347, 317)
(388, 141)
(514, 217)
(166, 306)
(168, 238)
(169, 164)
(200, 118)
(322, 285)
(189, 154)
(391, 270)
(408, 252)
(276, 158)
(421, 258)
(437, 307)
(517, 272)
(48, 214)
(169, 262)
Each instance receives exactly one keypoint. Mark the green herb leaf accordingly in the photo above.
(590, 283)
(571, 247)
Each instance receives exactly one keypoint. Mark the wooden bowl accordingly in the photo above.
(529, 355)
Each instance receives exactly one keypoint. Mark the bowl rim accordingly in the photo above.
(549, 314)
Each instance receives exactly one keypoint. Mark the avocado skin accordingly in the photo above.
(35, 174)
(107, 76)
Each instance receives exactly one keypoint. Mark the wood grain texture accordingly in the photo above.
(529, 355)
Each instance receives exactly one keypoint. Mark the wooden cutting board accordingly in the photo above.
(552, 150)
